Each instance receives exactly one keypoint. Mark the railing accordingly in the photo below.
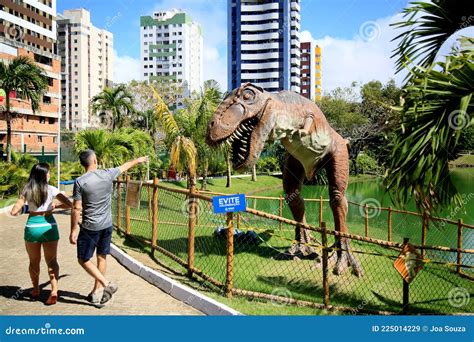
(244, 254)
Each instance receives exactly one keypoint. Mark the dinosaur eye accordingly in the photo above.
(248, 94)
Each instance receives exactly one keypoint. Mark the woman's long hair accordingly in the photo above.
(36, 190)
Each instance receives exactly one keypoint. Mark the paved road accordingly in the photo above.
(134, 297)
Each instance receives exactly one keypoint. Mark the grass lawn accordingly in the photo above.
(245, 185)
(467, 159)
(255, 268)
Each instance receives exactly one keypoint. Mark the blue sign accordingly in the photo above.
(229, 203)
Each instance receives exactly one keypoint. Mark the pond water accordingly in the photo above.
(372, 193)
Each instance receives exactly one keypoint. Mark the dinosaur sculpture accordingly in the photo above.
(249, 115)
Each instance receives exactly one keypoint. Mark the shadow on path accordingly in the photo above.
(23, 294)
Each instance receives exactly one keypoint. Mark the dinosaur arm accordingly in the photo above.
(308, 122)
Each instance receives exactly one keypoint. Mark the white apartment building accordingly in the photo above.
(171, 49)
(264, 46)
(86, 65)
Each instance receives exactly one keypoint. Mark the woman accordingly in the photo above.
(41, 228)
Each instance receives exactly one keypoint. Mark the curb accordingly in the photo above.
(175, 289)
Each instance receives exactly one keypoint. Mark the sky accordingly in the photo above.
(355, 35)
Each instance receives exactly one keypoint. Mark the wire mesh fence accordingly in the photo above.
(246, 253)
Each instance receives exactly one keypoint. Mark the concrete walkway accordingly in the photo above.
(134, 297)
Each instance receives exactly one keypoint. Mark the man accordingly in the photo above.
(93, 194)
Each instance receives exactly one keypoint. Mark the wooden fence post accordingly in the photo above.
(406, 290)
(366, 220)
(281, 211)
(324, 241)
(191, 228)
(459, 256)
(229, 279)
(423, 233)
(119, 204)
(128, 227)
(154, 226)
(150, 203)
(389, 222)
(320, 210)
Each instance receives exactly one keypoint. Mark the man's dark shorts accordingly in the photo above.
(89, 240)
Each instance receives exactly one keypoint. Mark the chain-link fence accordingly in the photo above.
(249, 253)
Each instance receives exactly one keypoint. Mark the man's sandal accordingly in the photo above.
(109, 290)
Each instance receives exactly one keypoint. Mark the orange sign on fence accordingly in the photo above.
(408, 263)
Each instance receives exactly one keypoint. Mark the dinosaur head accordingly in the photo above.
(242, 121)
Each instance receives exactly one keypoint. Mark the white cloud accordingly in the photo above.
(363, 58)
(366, 56)
(212, 15)
(126, 68)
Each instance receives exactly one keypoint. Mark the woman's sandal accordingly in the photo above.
(35, 294)
(53, 299)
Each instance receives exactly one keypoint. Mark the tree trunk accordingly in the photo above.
(254, 173)
(204, 176)
(8, 119)
(229, 170)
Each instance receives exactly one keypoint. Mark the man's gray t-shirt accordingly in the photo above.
(94, 189)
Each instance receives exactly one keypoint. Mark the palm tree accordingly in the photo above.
(183, 154)
(111, 149)
(206, 105)
(147, 121)
(24, 77)
(115, 103)
(437, 100)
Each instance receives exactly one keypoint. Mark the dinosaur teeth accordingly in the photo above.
(242, 149)
(238, 134)
(241, 156)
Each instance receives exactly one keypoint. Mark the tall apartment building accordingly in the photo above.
(264, 45)
(86, 65)
(28, 28)
(172, 49)
(311, 70)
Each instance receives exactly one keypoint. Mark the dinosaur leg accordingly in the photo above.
(337, 169)
(293, 177)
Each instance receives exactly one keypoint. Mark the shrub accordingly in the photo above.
(367, 164)
(268, 164)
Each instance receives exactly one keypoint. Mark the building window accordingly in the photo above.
(42, 120)
(46, 99)
(51, 121)
(40, 138)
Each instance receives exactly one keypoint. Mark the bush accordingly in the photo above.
(268, 164)
(367, 164)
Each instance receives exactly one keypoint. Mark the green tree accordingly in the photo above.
(115, 104)
(24, 77)
(111, 149)
(183, 154)
(437, 104)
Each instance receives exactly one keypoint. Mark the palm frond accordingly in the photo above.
(165, 117)
(438, 106)
(427, 26)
